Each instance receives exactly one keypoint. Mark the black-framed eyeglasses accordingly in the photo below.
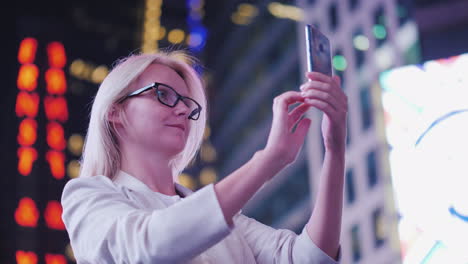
(169, 97)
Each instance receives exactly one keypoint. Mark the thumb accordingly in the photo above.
(337, 79)
(301, 130)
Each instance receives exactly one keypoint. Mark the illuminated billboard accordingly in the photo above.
(426, 126)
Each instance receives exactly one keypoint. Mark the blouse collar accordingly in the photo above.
(133, 183)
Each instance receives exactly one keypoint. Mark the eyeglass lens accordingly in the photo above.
(169, 97)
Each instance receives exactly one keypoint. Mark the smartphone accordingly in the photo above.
(318, 51)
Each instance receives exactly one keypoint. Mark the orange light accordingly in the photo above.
(56, 136)
(27, 104)
(53, 215)
(27, 214)
(56, 54)
(56, 108)
(55, 259)
(56, 160)
(26, 257)
(27, 132)
(27, 50)
(56, 83)
(27, 77)
(26, 156)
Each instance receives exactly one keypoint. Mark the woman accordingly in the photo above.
(147, 123)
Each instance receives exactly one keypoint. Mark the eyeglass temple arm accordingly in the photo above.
(139, 91)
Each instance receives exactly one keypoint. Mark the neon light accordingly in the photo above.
(26, 257)
(26, 156)
(27, 104)
(53, 215)
(56, 82)
(27, 132)
(27, 77)
(27, 50)
(56, 108)
(56, 136)
(56, 55)
(27, 214)
(56, 160)
(55, 259)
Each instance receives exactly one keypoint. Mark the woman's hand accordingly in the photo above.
(325, 93)
(283, 143)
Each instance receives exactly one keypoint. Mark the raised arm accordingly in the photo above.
(281, 150)
(321, 235)
(324, 226)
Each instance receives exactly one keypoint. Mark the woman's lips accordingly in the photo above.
(181, 127)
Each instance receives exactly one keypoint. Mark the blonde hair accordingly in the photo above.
(101, 155)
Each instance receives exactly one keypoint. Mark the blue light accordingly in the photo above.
(197, 32)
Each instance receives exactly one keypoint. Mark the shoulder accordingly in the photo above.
(85, 187)
(89, 182)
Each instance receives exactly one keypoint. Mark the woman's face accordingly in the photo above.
(152, 125)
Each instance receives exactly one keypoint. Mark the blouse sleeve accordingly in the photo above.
(105, 227)
(283, 246)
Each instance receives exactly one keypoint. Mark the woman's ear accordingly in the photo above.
(114, 115)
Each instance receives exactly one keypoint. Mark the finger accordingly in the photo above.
(301, 131)
(324, 96)
(326, 87)
(318, 76)
(296, 114)
(323, 106)
(337, 80)
(282, 102)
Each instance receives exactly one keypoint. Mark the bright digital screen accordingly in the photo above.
(426, 123)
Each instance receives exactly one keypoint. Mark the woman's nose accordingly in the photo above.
(181, 108)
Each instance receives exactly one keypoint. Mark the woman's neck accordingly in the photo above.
(150, 168)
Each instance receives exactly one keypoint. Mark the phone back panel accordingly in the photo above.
(318, 51)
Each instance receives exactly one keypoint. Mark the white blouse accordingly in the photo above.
(124, 221)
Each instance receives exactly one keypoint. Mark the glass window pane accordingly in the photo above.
(333, 16)
(360, 44)
(378, 227)
(366, 108)
(292, 191)
(356, 243)
(371, 161)
(380, 26)
(353, 4)
(350, 189)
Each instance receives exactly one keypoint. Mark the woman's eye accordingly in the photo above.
(162, 94)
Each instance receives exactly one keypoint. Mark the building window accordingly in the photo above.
(353, 4)
(402, 11)
(292, 191)
(341, 75)
(339, 65)
(333, 16)
(378, 227)
(380, 26)
(355, 243)
(350, 188)
(366, 107)
(371, 161)
(360, 44)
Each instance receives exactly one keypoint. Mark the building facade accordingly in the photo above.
(265, 56)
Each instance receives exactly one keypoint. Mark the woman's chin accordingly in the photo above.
(175, 148)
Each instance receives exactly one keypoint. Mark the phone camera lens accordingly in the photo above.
(321, 48)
